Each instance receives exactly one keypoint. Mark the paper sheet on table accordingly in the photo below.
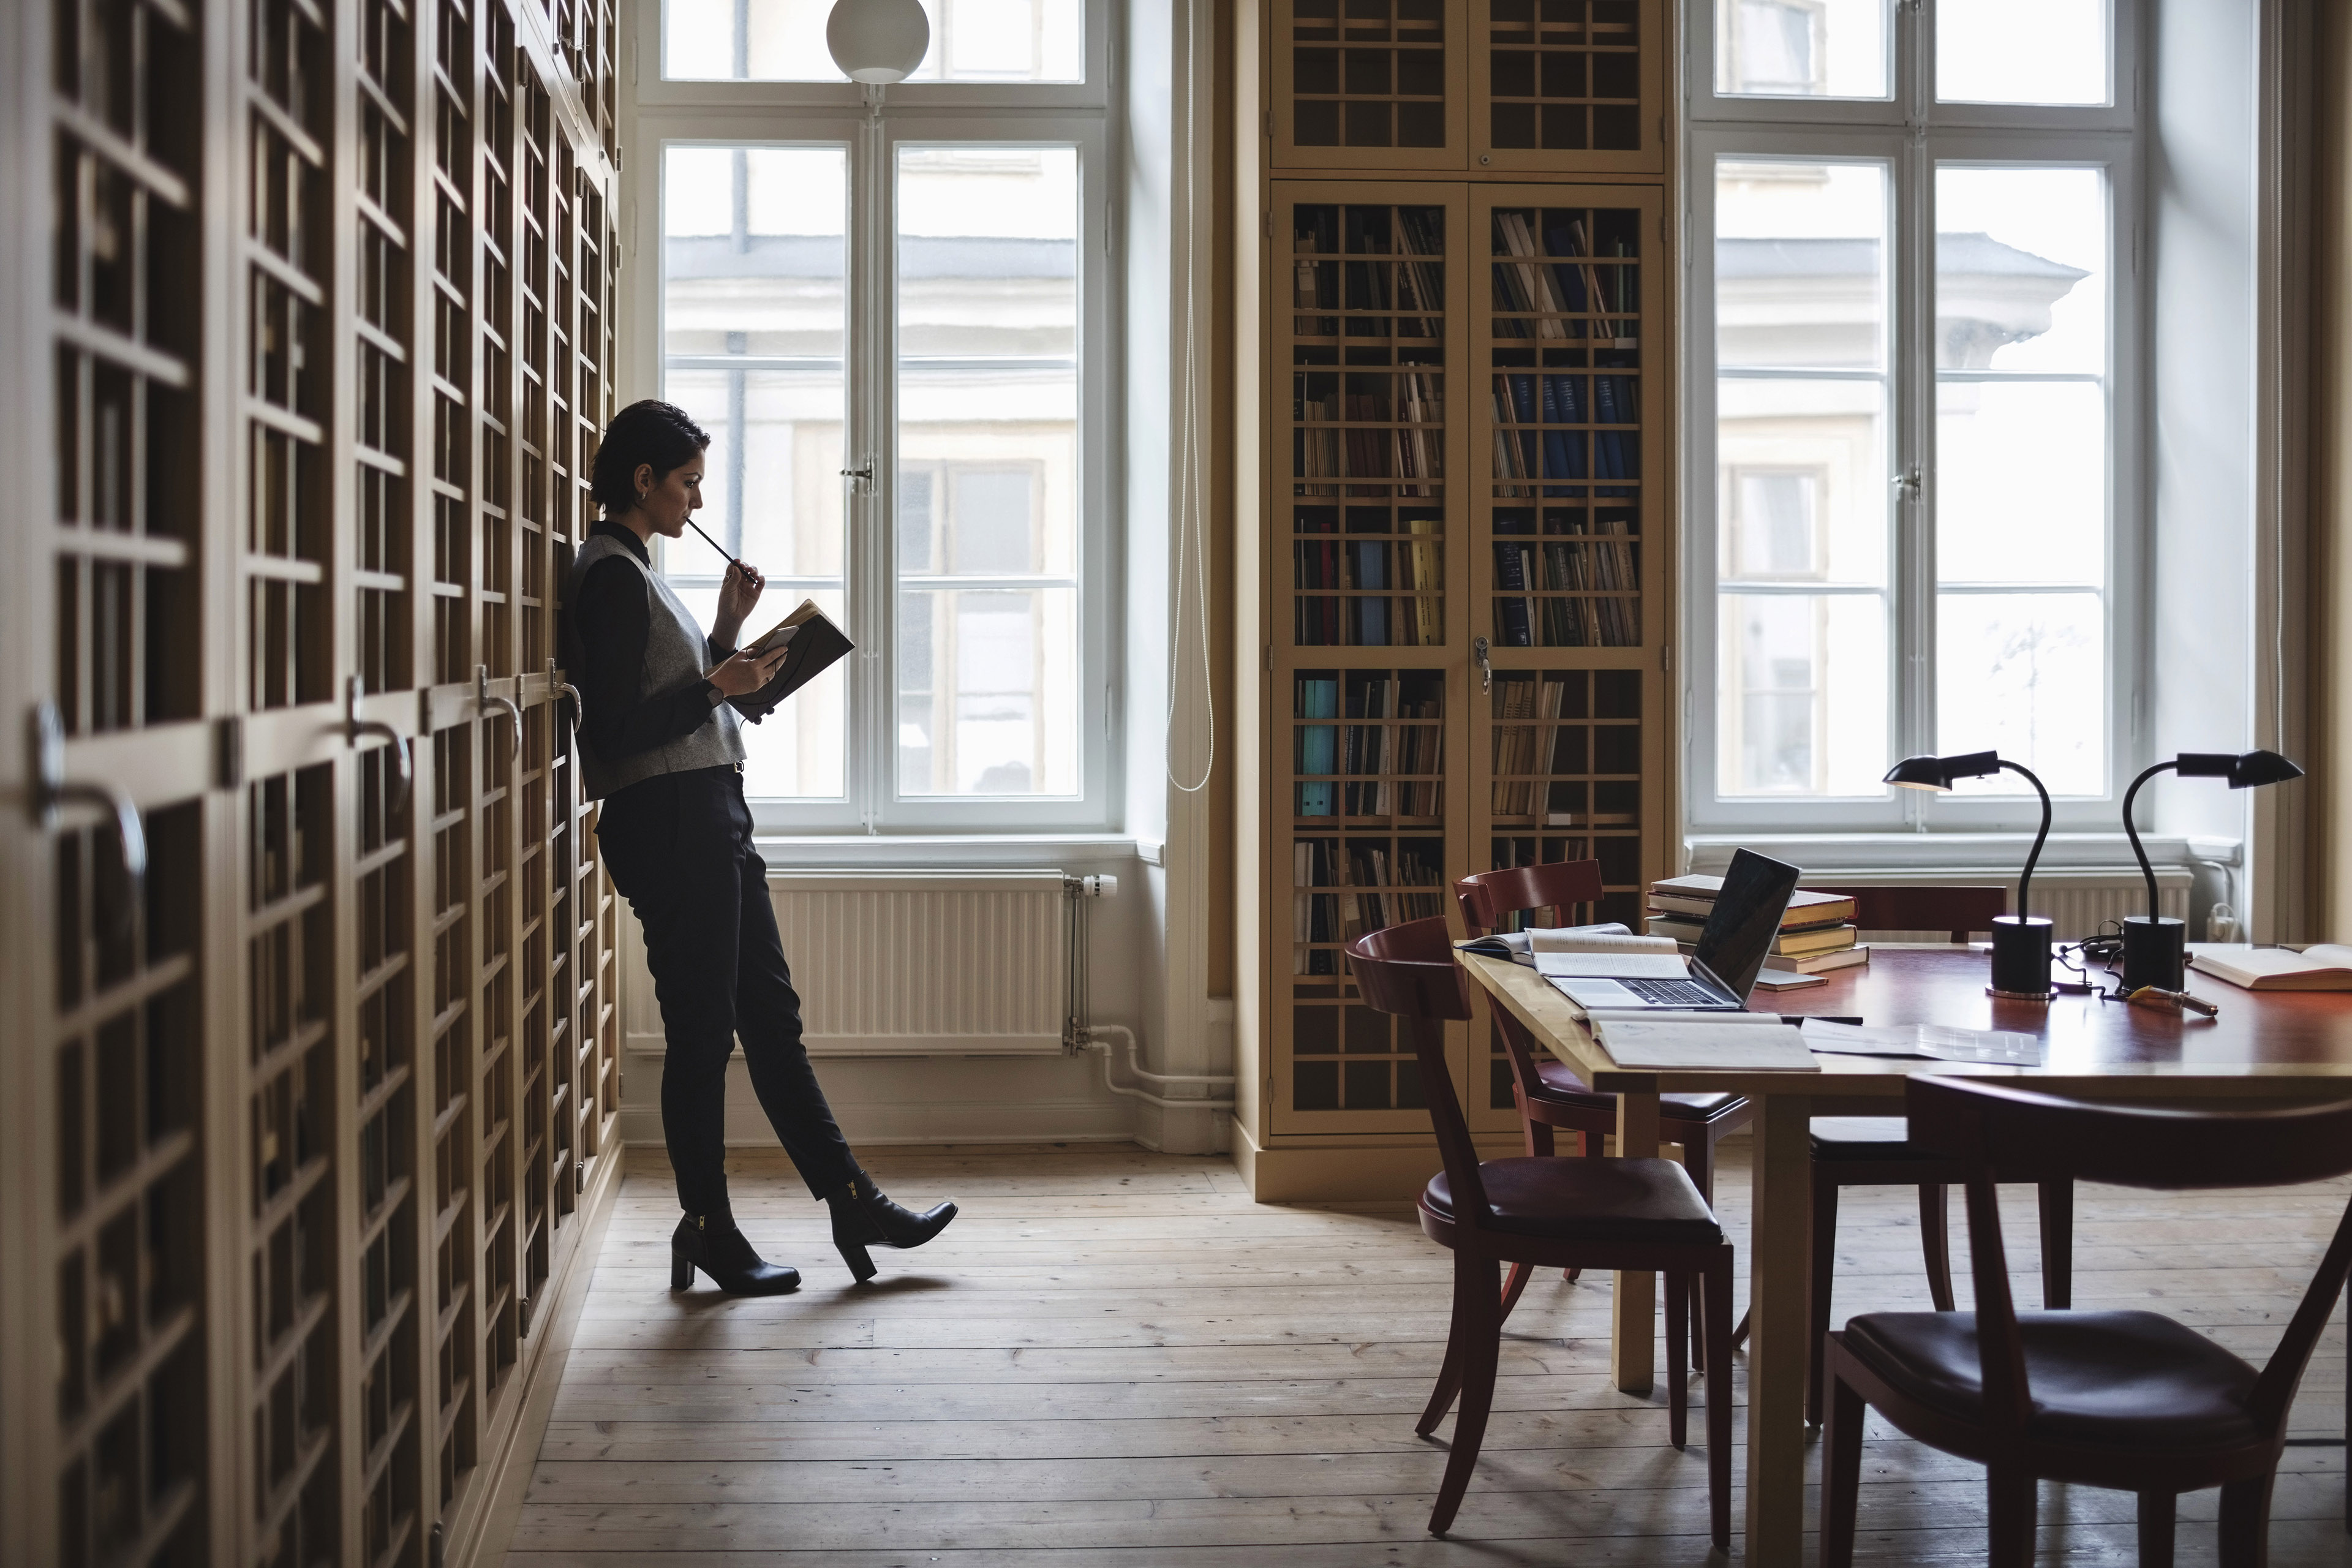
(1928, 1042)
(1619, 965)
(1646, 1043)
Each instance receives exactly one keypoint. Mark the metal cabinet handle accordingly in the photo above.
(483, 699)
(52, 789)
(559, 687)
(1486, 665)
(354, 727)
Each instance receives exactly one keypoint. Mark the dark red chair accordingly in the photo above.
(1639, 1215)
(2133, 1401)
(1877, 1151)
(1546, 1089)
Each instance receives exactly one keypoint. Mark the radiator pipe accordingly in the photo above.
(1134, 1066)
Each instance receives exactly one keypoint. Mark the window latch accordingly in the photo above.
(1907, 485)
(863, 474)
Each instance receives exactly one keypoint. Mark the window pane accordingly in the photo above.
(1801, 264)
(1803, 489)
(2021, 269)
(784, 40)
(986, 498)
(2021, 674)
(1803, 710)
(2021, 488)
(1800, 49)
(2021, 51)
(753, 318)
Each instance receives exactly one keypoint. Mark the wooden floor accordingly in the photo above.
(1116, 1357)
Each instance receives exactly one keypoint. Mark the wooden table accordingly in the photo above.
(2277, 1046)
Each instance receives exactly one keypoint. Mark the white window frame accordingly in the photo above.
(1910, 135)
(784, 114)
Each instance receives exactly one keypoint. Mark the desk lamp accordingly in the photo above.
(2021, 943)
(2152, 942)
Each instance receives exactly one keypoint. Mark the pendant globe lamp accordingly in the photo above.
(2154, 945)
(2021, 943)
(877, 42)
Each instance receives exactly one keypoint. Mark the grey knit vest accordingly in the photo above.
(675, 649)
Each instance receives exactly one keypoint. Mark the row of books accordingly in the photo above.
(1322, 229)
(1379, 750)
(1317, 621)
(1377, 876)
(1554, 290)
(1420, 396)
(1524, 748)
(1362, 565)
(1817, 934)
(1522, 454)
(1551, 565)
(1370, 452)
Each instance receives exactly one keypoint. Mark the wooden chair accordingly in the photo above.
(1639, 1215)
(1876, 1151)
(1547, 1091)
(2133, 1401)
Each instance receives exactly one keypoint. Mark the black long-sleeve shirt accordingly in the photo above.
(612, 614)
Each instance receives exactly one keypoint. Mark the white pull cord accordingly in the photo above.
(1192, 539)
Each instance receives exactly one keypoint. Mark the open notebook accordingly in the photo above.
(816, 646)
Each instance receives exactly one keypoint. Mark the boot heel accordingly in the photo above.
(681, 1271)
(861, 1263)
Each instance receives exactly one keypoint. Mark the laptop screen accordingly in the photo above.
(1745, 918)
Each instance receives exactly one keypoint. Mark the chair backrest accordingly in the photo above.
(1409, 970)
(1488, 895)
(2029, 1136)
(1959, 911)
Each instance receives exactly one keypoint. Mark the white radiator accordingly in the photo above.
(2075, 901)
(896, 963)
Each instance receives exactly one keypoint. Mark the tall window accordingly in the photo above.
(1912, 465)
(895, 333)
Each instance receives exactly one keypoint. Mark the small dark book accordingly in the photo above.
(816, 645)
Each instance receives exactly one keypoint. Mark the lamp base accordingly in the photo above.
(2153, 952)
(2021, 956)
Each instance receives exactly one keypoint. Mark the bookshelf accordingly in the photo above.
(1457, 515)
(1501, 85)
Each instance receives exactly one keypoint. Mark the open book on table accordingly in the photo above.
(816, 646)
(2327, 966)
(1522, 946)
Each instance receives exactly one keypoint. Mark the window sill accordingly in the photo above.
(942, 851)
(1827, 853)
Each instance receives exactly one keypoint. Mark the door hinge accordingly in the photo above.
(1666, 658)
(1268, 121)
(1269, 222)
(1269, 656)
(228, 752)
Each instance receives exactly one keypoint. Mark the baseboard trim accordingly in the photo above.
(1365, 1171)
(479, 1533)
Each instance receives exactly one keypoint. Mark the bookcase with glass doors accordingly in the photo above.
(1463, 545)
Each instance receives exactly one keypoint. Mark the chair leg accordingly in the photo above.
(2057, 1200)
(1588, 1146)
(2246, 1522)
(1825, 1261)
(1840, 1471)
(1936, 1243)
(1515, 1285)
(1678, 1359)
(2158, 1511)
(2011, 1503)
(1480, 1332)
(1717, 1284)
(1698, 1164)
(1449, 1373)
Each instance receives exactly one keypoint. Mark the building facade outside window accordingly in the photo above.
(896, 333)
(1914, 444)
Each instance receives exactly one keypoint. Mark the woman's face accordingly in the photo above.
(668, 502)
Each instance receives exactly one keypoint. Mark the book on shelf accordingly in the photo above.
(2325, 967)
(1317, 745)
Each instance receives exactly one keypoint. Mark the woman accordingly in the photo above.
(664, 750)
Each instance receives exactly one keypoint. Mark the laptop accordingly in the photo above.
(1721, 971)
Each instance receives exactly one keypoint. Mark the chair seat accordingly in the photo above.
(1562, 1087)
(2122, 1380)
(1866, 1137)
(1649, 1201)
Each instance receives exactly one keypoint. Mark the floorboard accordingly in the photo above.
(1114, 1357)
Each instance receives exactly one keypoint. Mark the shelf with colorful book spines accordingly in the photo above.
(1561, 86)
(1558, 312)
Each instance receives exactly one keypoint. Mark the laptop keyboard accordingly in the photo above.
(1673, 992)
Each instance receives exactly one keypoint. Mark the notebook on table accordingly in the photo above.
(1718, 975)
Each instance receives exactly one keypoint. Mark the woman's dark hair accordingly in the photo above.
(653, 432)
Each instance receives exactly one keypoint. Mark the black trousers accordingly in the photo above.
(679, 847)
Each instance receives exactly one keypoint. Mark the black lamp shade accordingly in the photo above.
(1938, 773)
(2258, 768)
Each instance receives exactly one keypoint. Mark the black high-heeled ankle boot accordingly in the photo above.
(863, 1217)
(726, 1254)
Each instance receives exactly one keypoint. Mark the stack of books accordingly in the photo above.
(1817, 934)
